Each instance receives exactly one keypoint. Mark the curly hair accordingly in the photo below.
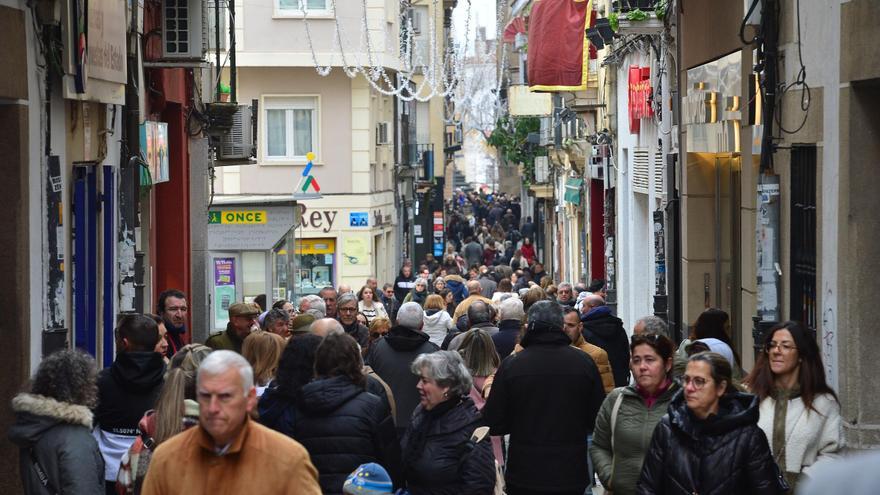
(67, 376)
(339, 355)
(297, 365)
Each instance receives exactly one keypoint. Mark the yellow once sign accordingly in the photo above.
(244, 217)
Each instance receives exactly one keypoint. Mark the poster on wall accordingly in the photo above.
(354, 250)
(154, 136)
(224, 290)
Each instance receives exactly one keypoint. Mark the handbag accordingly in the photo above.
(614, 411)
(479, 434)
(41, 474)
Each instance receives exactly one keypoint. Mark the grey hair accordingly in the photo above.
(275, 315)
(219, 362)
(563, 285)
(446, 368)
(411, 315)
(315, 306)
(346, 298)
(654, 324)
(421, 281)
(546, 314)
(511, 309)
(479, 312)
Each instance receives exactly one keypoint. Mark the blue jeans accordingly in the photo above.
(590, 463)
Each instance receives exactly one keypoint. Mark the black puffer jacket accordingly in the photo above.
(724, 454)
(343, 426)
(59, 434)
(605, 330)
(440, 458)
(390, 357)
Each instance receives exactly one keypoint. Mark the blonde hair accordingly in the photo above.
(378, 323)
(180, 384)
(263, 351)
(434, 301)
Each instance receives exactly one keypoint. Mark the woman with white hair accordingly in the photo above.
(438, 453)
(419, 293)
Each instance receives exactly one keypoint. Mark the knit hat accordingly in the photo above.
(368, 479)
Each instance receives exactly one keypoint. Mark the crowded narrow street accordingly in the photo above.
(440, 247)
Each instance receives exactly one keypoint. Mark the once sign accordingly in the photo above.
(243, 217)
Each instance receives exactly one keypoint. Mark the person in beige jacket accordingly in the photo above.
(228, 453)
(798, 411)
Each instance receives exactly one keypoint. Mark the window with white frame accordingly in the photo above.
(290, 128)
(295, 8)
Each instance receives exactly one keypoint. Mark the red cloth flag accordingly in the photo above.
(559, 51)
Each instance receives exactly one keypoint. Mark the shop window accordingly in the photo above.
(291, 128)
(316, 264)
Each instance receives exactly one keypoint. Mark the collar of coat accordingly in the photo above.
(40, 405)
(206, 441)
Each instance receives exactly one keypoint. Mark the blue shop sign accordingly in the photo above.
(359, 219)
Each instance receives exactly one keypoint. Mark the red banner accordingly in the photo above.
(558, 56)
(639, 97)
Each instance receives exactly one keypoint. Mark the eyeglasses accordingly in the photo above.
(784, 347)
(346, 310)
(697, 381)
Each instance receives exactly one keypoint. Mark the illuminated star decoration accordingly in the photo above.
(308, 179)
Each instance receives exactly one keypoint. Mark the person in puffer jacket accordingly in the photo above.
(53, 425)
(438, 323)
(339, 422)
(440, 457)
(709, 442)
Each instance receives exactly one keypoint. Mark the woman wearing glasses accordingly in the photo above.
(628, 415)
(799, 412)
(709, 442)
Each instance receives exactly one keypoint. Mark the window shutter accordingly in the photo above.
(641, 159)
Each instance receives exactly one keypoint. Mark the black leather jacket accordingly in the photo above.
(724, 454)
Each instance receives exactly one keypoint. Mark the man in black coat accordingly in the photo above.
(546, 397)
(391, 357)
(603, 329)
(126, 390)
(346, 308)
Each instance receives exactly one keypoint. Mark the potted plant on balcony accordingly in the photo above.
(638, 21)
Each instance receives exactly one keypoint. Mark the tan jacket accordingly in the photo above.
(463, 306)
(260, 460)
(600, 357)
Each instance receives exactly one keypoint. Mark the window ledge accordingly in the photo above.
(285, 162)
(280, 14)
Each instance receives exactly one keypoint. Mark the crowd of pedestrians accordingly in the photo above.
(474, 374)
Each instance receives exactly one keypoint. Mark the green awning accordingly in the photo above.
(573, 190)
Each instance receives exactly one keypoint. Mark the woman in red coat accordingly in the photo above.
(528, 250)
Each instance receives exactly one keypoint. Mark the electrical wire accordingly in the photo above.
(800, 81)
(742, 27)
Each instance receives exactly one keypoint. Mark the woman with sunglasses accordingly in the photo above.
(709, 441)
(629, 414)
(799, 412)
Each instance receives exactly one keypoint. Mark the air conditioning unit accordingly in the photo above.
(184, 29)
(546, 133)
(383, 133)
(597, 169)
(239, 142)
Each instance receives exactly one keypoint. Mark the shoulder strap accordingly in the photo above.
(41, 473)
(614, 411)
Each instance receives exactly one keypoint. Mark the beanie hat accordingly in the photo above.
(368, 479)
(720, 347)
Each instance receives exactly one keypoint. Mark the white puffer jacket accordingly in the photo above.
(437, 325)
(812, 436)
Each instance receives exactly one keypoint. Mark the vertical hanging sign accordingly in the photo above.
(639, 96)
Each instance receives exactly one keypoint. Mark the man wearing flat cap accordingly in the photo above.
(242, 319)
(301, 325)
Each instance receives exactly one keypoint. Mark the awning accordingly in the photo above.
(573, 190)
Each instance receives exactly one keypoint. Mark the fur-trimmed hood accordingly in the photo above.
(35, 414)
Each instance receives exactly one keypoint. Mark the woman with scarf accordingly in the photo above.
(419, 292)
(439, 454)
(799, 412)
